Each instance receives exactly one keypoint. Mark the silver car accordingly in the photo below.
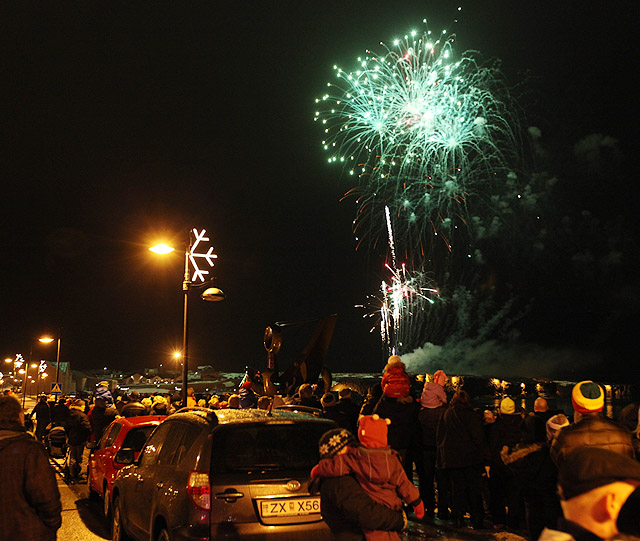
(223, 474)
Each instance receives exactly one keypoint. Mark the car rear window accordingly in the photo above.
(271, 447)
(136, 437)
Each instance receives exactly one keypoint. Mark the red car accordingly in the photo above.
(123, 433)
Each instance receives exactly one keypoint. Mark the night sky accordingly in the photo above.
(125, 124)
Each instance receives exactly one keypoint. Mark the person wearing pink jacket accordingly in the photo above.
(378, 470)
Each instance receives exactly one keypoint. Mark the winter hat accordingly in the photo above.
(433, 395)
(507, 406)
(246, 385)
(587, 397)
(78, 404)
(394, 359)
(440, 377)
(327, 400)
(372, 431)
(590, 467)
(394, 362)
(333, 441)
(103, 384)
(554, 424)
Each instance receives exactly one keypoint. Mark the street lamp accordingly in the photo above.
(17, 362)
(47, 340)
(199, 262)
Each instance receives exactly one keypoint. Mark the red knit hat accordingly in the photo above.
(372, 431)
(587, 397)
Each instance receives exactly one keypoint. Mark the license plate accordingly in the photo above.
(289, 507)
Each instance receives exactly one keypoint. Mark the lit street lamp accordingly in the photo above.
(47, 340)
(17, 363)
(199, 261)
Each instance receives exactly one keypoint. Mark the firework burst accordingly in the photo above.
(402, 302)
(424, 134)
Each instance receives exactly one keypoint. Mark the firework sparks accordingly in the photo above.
(402, 301)
(421, 131)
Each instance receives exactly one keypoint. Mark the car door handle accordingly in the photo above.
(228, 496)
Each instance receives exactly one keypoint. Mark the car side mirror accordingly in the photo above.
(125, 456)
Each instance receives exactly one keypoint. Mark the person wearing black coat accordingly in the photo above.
(429, 419)
(505, 500)
(345, 506)
(349, 409)
(100, 416)
(403, 414)
(31, 507)
(463, 451)
(537, 476)
(60, 413)
(371, 400)
(42, 414)
(348, 510)
(133, 408)
(78, 430)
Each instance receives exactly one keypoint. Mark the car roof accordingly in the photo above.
(245, 416)
(141, 420)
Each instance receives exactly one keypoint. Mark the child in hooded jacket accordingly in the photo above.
(396, 383)
(378, 470)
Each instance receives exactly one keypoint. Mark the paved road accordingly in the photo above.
(82, 519)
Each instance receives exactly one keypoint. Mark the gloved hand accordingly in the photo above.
(314, 472)
(418, 509)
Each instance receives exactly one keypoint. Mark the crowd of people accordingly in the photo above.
(408, 447)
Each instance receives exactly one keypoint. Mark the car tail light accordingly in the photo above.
(199, 489)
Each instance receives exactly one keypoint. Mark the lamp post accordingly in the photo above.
(47, 340)
(17, 362)
(199, 261)
(25, 381)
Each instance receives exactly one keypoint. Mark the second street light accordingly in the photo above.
(201, 262)
(47, 340)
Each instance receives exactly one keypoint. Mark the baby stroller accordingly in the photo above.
(56, 442)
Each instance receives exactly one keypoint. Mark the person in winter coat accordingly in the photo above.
(377, 468)
(330, 410)
(590, 427)
(463, 451)
(60, 413)
(100, 417)
(595, 486)
(396, 383)
(374, 393)
(191, 398)
(42, 414)
(102, 391)
(403, 414)
(434, 403)
(537, 476)
(306, 397)
(31, 507)
(248, 397)
(346, 507)
(78, 430)
(133, 407)
(349, 409)
(160, 406)
(503, 490)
